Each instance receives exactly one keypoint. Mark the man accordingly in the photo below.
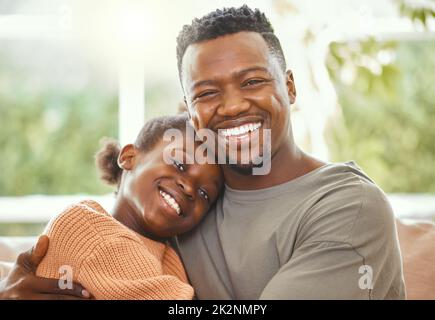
(306, 229)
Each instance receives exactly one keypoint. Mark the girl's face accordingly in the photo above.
(171, 198)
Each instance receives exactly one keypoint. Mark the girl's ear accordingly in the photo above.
(127, 157)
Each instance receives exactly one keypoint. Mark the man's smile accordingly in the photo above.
(238, 122)
(241, 130)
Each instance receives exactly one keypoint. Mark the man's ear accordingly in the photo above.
(127, 157)
(193, 121)
(187, 107)
(291, 88)
(182, 107)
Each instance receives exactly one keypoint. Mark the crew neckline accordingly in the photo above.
(283, 188)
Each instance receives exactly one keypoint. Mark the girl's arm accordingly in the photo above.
(125, 269)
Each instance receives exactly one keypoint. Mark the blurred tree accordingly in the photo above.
(418, 13)
(387, 94)
(382, 107)
(48, 137)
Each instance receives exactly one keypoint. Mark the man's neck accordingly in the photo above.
(288, 163)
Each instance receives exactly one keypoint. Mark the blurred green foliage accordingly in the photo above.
(21, 229)
(48, 137)
(387, 96)
(419, 14)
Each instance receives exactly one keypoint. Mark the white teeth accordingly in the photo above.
(171, 201)
(241, 129)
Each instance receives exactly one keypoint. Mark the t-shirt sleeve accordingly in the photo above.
(322, 270)
(123, 269)
(349, 250)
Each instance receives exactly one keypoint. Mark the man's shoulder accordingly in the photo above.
(347, 183)
(345, 201)
(371, 208)
(341, 175)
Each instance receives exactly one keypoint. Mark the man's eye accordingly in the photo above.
(204, 194)
(253, 82)
(179, 165)
(205, 94)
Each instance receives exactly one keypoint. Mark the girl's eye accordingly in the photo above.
(179, 165)
(204, 194)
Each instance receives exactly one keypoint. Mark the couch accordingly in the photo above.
(416, 238)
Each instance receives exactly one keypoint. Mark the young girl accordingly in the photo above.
(124, 255)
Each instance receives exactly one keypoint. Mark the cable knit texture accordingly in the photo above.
(110, 260)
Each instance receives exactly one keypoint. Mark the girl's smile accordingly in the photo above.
(171, 202)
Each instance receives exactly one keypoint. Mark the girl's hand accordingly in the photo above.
(22, 283)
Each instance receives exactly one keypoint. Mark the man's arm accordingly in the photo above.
(320, 270)
(21, 282)
(347, 249)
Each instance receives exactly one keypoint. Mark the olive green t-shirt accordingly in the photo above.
(329, 234)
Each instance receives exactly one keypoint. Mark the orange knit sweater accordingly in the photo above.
(110, 260)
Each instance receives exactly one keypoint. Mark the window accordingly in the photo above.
(72, 72)
(66, 81)
(55, 106)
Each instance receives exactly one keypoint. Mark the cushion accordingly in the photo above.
(417, 243)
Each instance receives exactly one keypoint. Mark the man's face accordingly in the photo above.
(234, 85)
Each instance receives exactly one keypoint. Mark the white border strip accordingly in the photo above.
(41, 208)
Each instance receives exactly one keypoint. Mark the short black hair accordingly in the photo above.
(228, 21)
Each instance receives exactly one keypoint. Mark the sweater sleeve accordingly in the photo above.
(172, 264)
(107, 259)
(124, 269)
(72, 238)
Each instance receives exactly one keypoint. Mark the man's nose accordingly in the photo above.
(233, 104)
(187, 187)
